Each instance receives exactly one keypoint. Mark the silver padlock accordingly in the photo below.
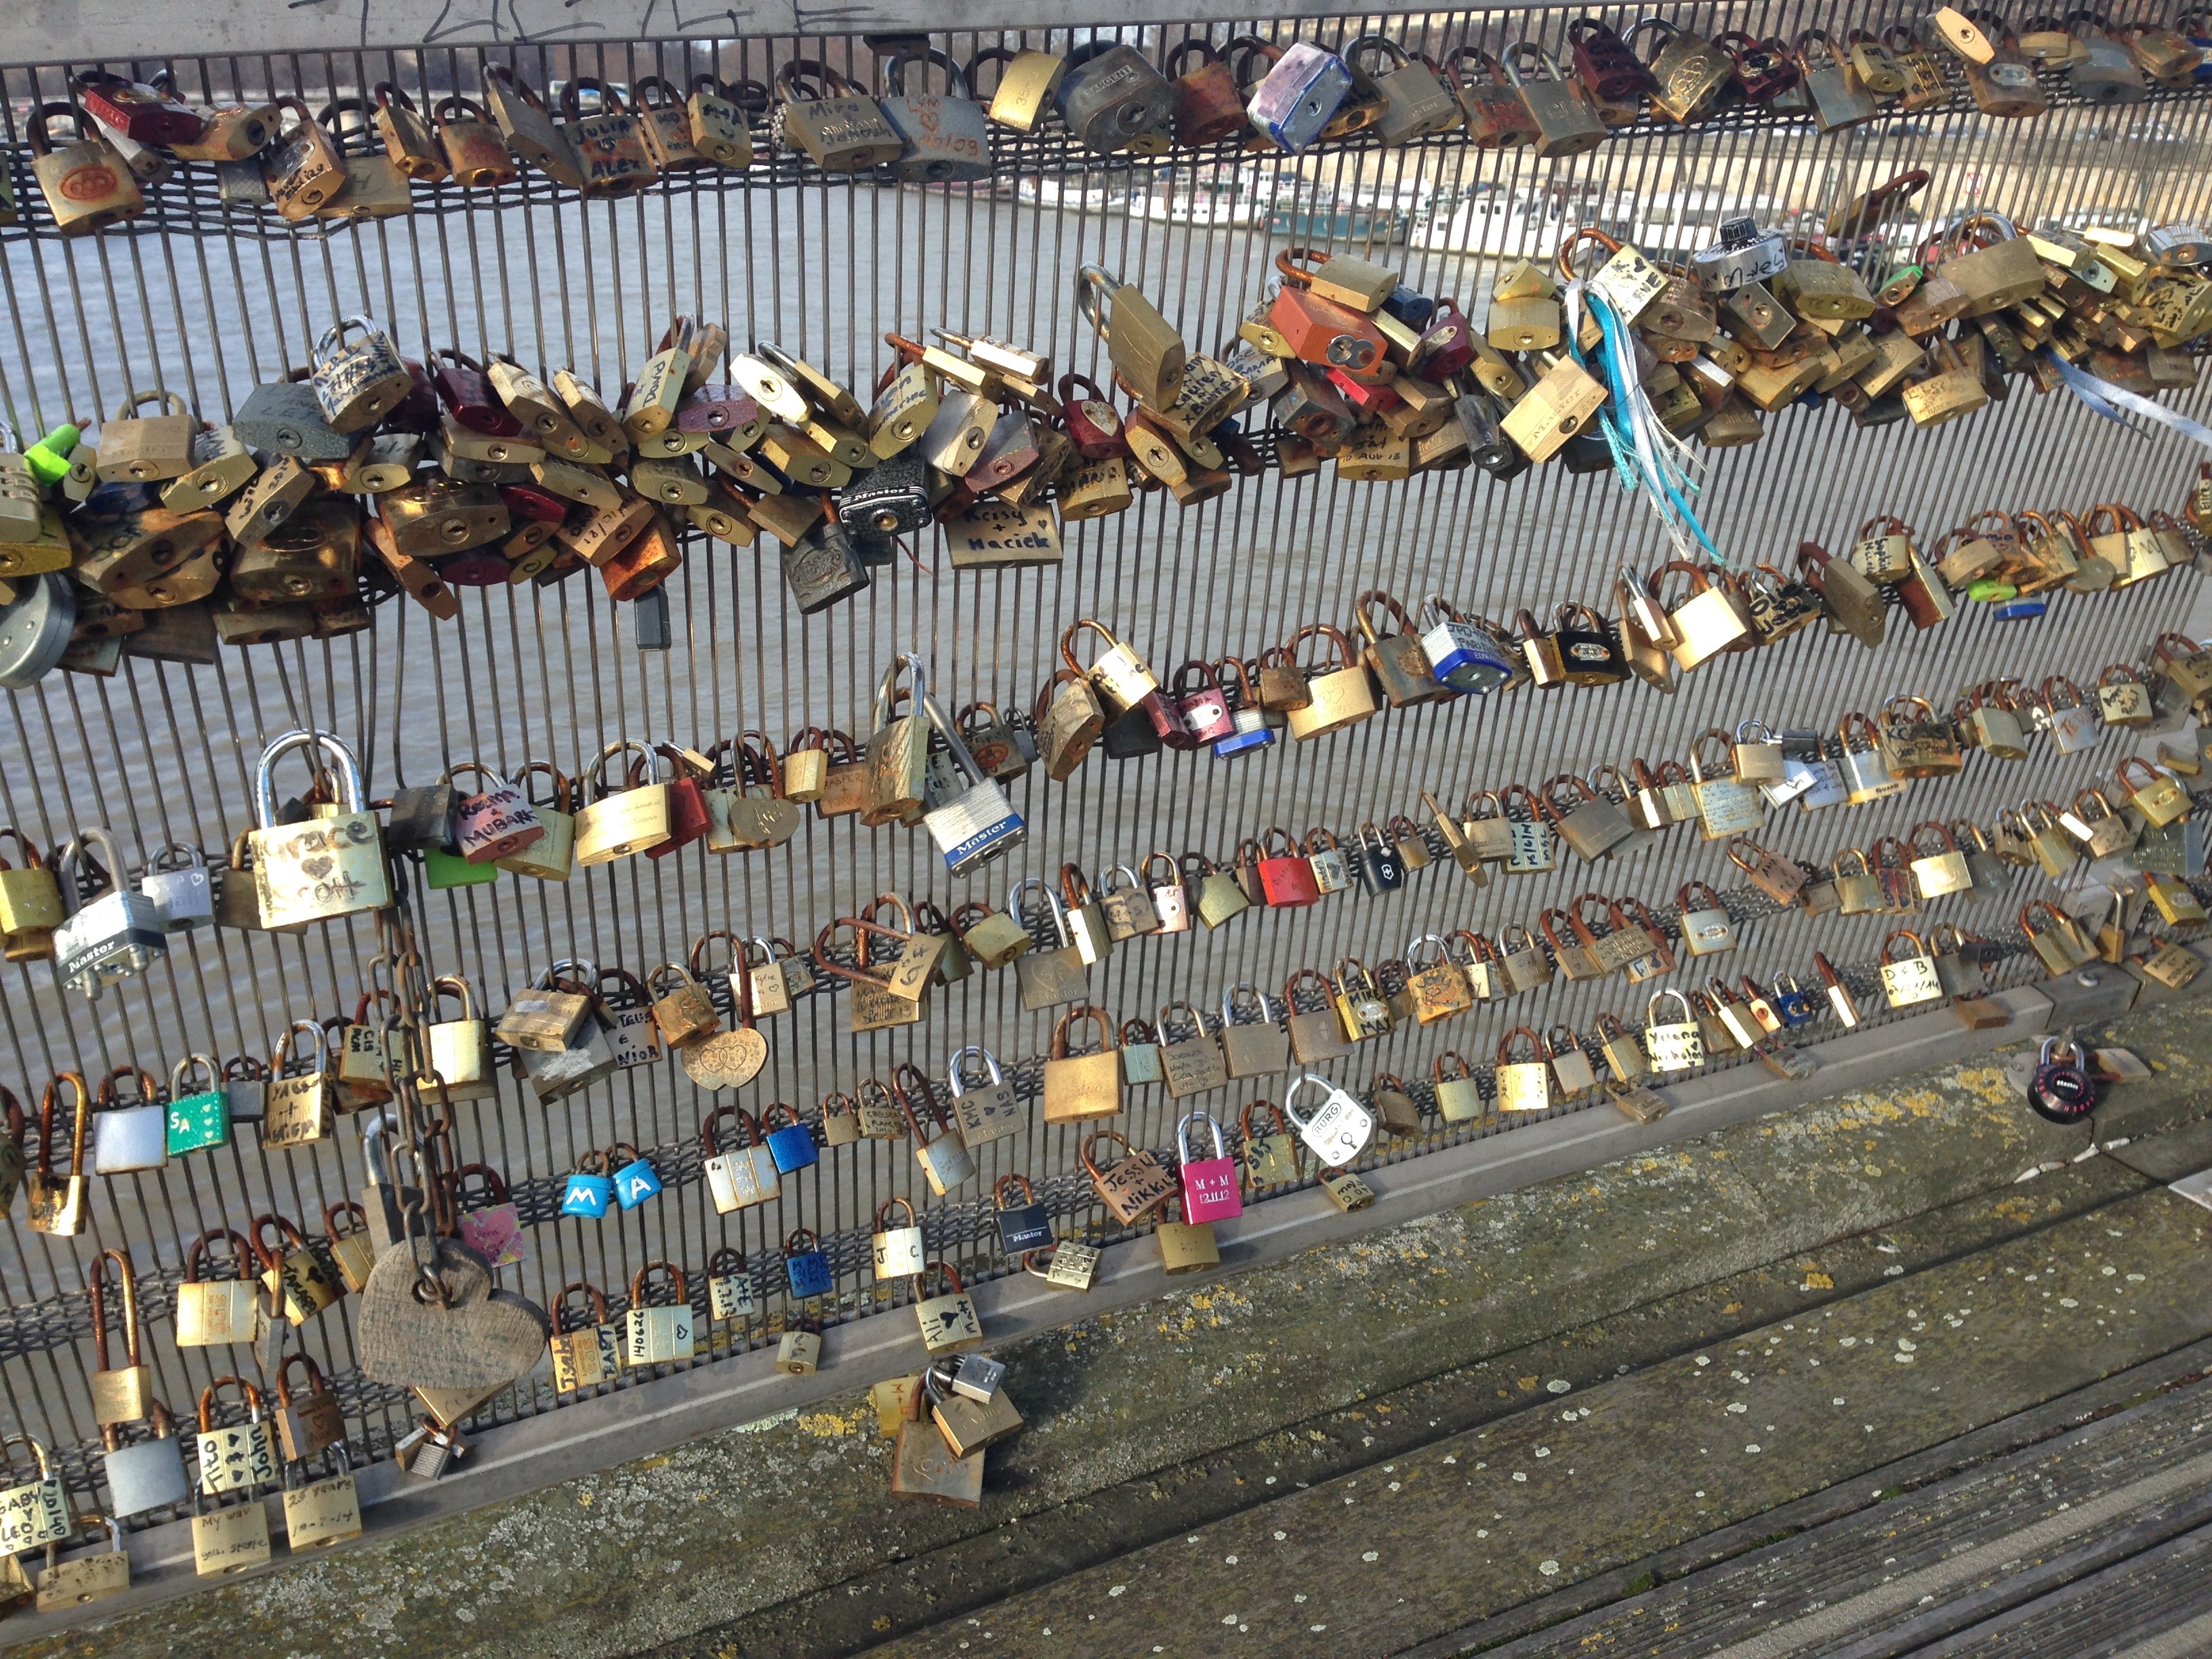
(1340, 1131)
(1745, 254)
(978, 823)
(113, 936)
(128, 1136)
(149, 1475)
(178, 884)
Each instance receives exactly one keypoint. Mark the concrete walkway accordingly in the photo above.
(1378, 1397)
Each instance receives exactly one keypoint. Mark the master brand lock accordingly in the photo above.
(109, 937)
(1339, 1131)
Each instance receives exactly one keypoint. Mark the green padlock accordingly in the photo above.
(1990, 591)
(441, 870)
(49, 457)
(197, 1121)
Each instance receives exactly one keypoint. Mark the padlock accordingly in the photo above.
(823, 113)
(1496, 116)
(1133, 1186)
(658, 1333)
(720, 131)
(945, 136)
(1675, 1045)
(984, 1108)
(1416, 103)
(1566, 122)
(322, 868)
(1300, 93)
(2155, 794)
(87, 183)
(1078, 1087)
(587, 1192)
(297, 1281)
(103, 940)
(1339, 1130)
(527, 126)
(1144, 349)
(945, 1162)
(1107, 93)
(1192, 1065)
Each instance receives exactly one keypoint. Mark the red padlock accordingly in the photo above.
(534, 502)
(1446, 347)
(1366, 399)
(466, 392)
(1286, 878)
(687, 802)
(1093, 427)
(1604, 63)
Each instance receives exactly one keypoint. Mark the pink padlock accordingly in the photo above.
(1204, 709)
(497, 824)
(495, 1230)
(1209, 1188)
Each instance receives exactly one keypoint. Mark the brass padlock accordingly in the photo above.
(86, 184)
(527, 126)
(823, 113)
(1145, 350)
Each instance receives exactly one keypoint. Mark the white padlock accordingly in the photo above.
(1340, 1131)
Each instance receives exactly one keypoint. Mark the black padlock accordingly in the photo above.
(890, 497)
(1024, 1226)
(1110, 95)
(286, 417)
(1381, 868)
(421, 819)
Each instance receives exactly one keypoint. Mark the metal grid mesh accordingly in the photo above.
(203, 301)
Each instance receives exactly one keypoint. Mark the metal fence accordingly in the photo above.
(207, 301)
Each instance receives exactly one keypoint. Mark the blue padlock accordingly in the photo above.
(1252, 731)
(793, 1145)
(589, 1192)
(804, 1265)
(1299, 95)
(1465, 655)
(1797, 1007)
(2022, 610)
(1410, 306)
(636, 1181)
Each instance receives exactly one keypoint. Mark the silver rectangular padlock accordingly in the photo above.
(976, 1377)
(149, 1475)
(585, 1060)
(128, 1138)
(177, 886)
